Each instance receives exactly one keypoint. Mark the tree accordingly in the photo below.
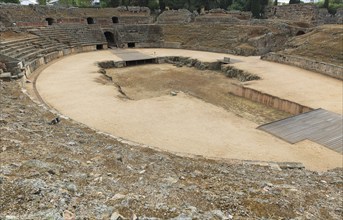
(11, 1)
(326, 4)
(294, 2)
(162, 5)
(239, 5)
(112, 3)
(255, 8)
(153, 4)
(275, 2)
(42, 2)
(224, 4)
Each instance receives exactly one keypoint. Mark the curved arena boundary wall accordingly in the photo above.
(34, 65)
(320, 67)
(268, 100)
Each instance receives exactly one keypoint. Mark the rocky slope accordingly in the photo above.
(69, 171)
(323, 44)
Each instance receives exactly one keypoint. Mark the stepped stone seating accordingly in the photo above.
(72, 34)
(29, 49)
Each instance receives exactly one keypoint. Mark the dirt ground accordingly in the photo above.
(179, 123)
(291, 83)
(150, 81)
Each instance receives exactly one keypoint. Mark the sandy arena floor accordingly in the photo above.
(186, 124)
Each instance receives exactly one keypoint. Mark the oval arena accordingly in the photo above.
(219, 86)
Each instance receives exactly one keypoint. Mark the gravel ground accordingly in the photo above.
(68, 171)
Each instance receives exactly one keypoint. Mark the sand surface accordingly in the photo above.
(288, 82)
(183, 123)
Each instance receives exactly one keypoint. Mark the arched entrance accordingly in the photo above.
(115, 20)
(300, 33)
(110, 38)
(50, 21)
(90, 20)
(131, 45)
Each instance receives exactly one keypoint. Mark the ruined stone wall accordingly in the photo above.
(180, 16)
(142, 35)
(215, 16)
(35, 15)
(222, 16)
(215, 19)
(305, 13)
(312, 65)
(295, 12)
(255, 39)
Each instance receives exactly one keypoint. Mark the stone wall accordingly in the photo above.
(142, 35)
(223, 17)
(240, 39)
(12, 65)
(180, 16)
(213, 19)
(296, 12)
(304, 13)
(39, 61)
(312, 65)
(36, 15)
(268, 100)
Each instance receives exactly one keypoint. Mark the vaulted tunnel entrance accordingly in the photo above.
(50, 21)
(110, 38)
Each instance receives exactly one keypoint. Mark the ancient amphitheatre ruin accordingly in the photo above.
(154, 109)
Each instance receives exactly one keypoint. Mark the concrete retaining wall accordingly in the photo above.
(320, 67)
(268, 100)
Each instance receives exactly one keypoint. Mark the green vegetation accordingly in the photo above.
(10, 1)
(256, 8)
(331, 5)
(179, 4)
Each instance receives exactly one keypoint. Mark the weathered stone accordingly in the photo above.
(116, 216)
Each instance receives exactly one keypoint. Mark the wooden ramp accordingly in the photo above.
(320, 126)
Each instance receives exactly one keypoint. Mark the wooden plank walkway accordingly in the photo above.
(320, 126)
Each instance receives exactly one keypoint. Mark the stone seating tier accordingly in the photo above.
(29, 49)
